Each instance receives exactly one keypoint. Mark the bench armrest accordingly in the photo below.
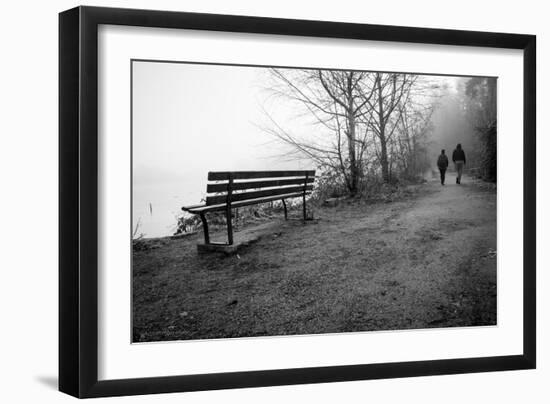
(192, 207)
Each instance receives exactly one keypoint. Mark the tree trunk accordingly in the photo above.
(384, 163)
(382, 134)
(351, 154)
(354, 174)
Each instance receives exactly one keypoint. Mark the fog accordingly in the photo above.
(450, 124)
(190, 119)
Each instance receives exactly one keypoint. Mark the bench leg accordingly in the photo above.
(284, 207)
(229, 226)
(304, 206)
(205, 229)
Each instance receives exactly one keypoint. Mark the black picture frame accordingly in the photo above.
(78, 201)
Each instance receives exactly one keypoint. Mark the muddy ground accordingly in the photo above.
(426, 260)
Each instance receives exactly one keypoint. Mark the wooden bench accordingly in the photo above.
(235, 189)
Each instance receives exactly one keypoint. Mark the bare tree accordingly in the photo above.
(370, 121)
(386, 95)
(335, 99)
(415, 123)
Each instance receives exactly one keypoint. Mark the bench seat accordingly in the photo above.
(222, 206)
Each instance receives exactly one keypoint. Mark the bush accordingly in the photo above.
(240, 216)
(328, 185)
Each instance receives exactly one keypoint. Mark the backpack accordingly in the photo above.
(442, 161)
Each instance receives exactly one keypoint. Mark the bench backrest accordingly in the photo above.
(233, 186)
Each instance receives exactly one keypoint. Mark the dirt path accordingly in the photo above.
(426, 261)
(437, 257)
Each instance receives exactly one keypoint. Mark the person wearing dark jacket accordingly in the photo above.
(442, 164)
(459, 158)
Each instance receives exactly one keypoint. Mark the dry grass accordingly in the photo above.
(360, 267)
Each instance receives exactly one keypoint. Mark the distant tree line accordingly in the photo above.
(480, 107)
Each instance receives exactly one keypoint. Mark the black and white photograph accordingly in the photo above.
(286, 200)
(275, 202)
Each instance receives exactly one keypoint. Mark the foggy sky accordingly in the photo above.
(190, 119)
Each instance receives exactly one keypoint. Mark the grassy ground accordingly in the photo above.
(427, 260)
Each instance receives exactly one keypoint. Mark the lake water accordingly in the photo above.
(191, 119)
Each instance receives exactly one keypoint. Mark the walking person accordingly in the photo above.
(442, 164)
(459, 158)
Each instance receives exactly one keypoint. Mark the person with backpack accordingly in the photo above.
(442, 164)
(459, 158)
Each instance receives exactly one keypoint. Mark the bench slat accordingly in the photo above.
(247, 202)
(214, 200)
(245, 175)
(238, 186)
